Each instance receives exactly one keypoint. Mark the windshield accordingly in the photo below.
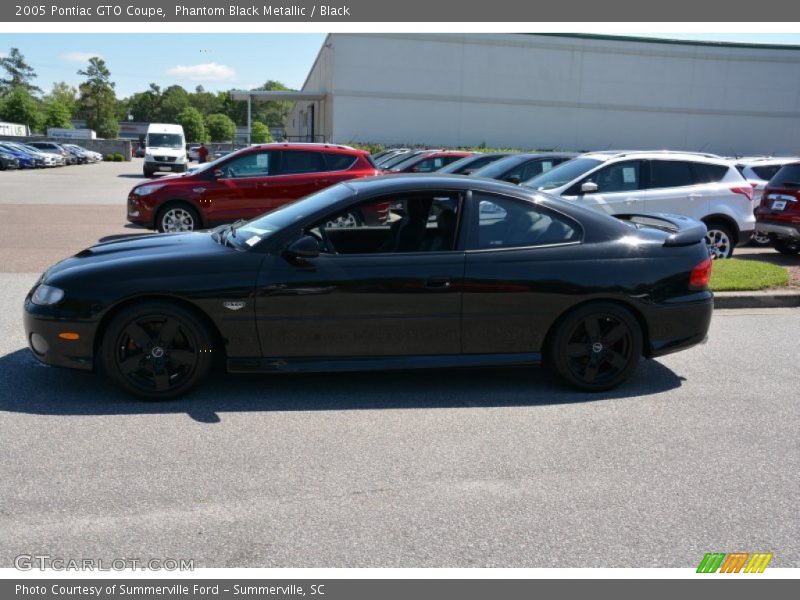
(165, 140)
(498, 168)
(564, 173)
(396, 160)
(471, 164)
(411, 160)
(259, 229)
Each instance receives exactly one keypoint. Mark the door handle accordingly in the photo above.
(438, 283)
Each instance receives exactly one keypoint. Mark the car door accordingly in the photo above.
(518, 256)
(240, 188)
(301, 172)
(620, 188)
(673, 189)
(361, 303)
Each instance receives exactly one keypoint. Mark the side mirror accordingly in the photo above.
(589, 187)
(305, 247)
(515, 179)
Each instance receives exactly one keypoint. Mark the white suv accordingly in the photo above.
(703, 186)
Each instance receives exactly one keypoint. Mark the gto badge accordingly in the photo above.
(234, 304)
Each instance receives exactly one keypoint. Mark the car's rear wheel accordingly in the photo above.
(596, 347)
(177, 217)
(760, 239)
(156, 350)
(720, 240)
(787, 246)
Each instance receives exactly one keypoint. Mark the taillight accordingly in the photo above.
(744, 190)
(698, 279)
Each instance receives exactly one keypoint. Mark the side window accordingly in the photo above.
(415, 223)
(619, 177)
(670, 173)
(429, 165)
(301, 161)
(338, 162)
(253, 164)
(765, 173)
(510, 223)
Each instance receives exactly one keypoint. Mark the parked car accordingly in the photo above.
(396, 159)
(282, 292)
(469, 164)
(517, 168)
(46, 159)
(758, 170)
(57, 149)
(703, 186)
(26, 160)
(87, 156)
(244, 184)
(80, 155)
(191, 153)
(428, 161)
(388, 152)
(8, 161)
(778, 216)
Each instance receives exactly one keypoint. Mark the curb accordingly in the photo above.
(760, 299)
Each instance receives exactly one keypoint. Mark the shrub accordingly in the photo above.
(119, 157)
(108, 157)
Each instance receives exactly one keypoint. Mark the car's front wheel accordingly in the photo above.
(156, 350)
(787, 246)
(176, 218)
(596, 347)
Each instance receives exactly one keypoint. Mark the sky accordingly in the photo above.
(215, 61)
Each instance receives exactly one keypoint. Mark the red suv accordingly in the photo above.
(428, 162)
(778, 215)
(244, 184)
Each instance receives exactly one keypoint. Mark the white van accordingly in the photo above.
(165, 149)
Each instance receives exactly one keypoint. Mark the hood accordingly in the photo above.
(146, 255)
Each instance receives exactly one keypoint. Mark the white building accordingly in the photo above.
(575, 92)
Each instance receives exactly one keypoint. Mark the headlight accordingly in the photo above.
(146, 190)
(46, 295)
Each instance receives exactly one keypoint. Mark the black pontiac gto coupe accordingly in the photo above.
(436, 271)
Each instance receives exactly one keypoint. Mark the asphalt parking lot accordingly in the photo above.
(699, 452)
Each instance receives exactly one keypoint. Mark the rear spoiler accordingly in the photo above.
(684, 231)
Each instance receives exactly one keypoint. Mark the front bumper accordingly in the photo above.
(42, 334)
(164, 167)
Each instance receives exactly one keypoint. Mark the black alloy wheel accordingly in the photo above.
(596, 347)
(156, 350)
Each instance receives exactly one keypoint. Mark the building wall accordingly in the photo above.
(536, 91)
(320, 78)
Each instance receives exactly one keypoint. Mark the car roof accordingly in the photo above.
(308, 146)
(402, 182)
(606, 155)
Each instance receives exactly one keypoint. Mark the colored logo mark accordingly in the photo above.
(736, 562)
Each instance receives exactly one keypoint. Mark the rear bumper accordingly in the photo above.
(781, 230)
(680, 324)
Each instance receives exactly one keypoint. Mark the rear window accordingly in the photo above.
(302, 161)
(788, 176)
(706, 173)
(339, 162)
(767, 172)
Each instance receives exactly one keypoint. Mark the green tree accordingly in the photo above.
(66, 94)
(259, 133)
(19, 74)
(173, 101)
(274, 112)
(19, 106)
(220, 128)
(235, 109)
(57, 114)
(193, 126)
(205, 102)
(146, 106)
(98, 100)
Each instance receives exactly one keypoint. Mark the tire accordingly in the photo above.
(177, 217)
(148, 172)
(787, 246)
(596, 347)
(136, 356)
(720, 240)
(760, 240)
